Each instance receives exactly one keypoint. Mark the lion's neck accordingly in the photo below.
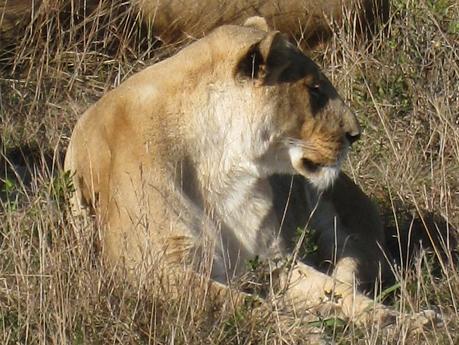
(227, 143)
(242, 202)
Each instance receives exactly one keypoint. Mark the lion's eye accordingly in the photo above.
(317, 96)
(314, 90)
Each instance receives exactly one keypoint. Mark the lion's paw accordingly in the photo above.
(416, 322)
(423, 320)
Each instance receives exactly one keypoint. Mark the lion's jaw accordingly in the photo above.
(249, 142)
(320, 177)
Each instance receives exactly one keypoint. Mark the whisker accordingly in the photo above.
(300, 143)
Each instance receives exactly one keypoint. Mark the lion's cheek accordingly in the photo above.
(321, 177)
(296, 158)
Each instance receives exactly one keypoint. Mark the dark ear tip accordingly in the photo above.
(258, 55)
(273, 60)
(250, 65)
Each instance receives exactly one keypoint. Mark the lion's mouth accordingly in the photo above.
(310, 166)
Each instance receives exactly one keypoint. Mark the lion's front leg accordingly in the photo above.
(307, 289)
(350, 234)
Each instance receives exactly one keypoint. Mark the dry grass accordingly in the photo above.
(53, 287)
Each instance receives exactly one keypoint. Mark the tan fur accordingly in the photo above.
(308, 19)
(189, 164)
(14, 15)
(175, 19)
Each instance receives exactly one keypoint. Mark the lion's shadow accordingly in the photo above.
(408, 234)
(21, 165)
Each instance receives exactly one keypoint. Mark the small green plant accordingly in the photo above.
(9, 194)
(453, 27)
(61, 187)
(253, 264)
(440, 7)
(328, 323)
(388, 292)
(309, 245)
(332, 327)
(78, 337)
(8, 185)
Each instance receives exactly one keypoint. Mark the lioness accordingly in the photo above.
(173, 19)
(307, 19)
(191, 161)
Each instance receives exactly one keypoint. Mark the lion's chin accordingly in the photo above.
(323, 178)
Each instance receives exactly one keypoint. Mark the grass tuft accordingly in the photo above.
(54, 288)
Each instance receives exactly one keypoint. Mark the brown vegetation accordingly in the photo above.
(310, 21)
(53, 287)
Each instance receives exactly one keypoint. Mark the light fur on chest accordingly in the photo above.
(234, 185)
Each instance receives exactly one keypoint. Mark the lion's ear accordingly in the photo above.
(257, 23)
(273, 60)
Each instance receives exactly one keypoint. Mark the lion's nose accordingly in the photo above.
(353, 136)
(351, 126)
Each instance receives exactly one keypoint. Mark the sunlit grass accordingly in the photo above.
(403, 84)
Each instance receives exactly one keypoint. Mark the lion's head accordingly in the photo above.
(276, 105)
